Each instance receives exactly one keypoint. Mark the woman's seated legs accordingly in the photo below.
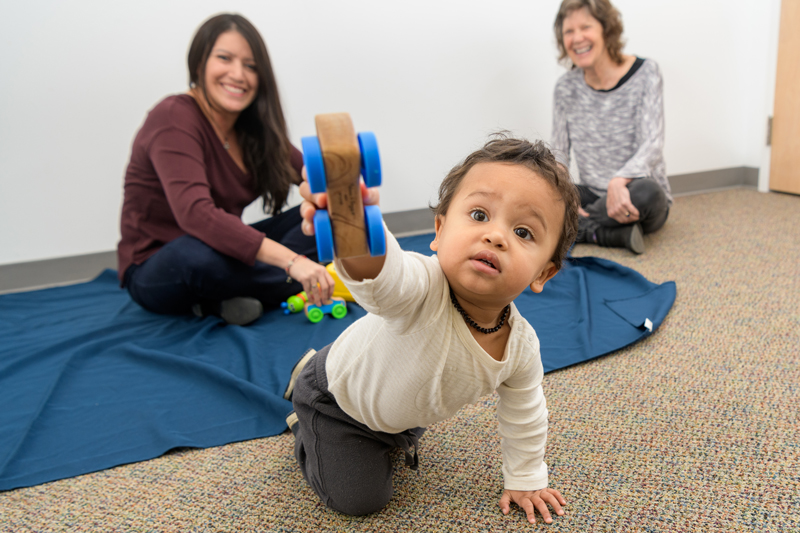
(598, 228)
(651, 201)
(648, 197)
(187, 271)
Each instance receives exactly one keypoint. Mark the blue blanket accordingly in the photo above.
(89, 380)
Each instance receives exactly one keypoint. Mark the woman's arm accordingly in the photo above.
(193, 192)
(316, 280)
(650, 141)
(559, 138)
(178, 159)
(649, 129)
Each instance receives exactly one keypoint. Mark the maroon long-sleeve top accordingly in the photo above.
(180, 180)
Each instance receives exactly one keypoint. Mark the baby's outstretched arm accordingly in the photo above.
(536, 499)
(358, 268)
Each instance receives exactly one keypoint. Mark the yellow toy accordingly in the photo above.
(339, 288)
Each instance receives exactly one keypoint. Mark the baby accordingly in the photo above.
(441, 332)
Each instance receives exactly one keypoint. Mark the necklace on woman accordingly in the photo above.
(215, 126)
(472, 323)
(225, 143)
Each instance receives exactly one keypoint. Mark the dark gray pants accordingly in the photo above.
(347, 464)
(648, 197)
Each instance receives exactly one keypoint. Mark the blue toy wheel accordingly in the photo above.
(315, 164)
(376, 237)
(370, 159)
(324, 233)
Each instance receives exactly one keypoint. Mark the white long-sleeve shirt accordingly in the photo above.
(615, 133)
(412, 361)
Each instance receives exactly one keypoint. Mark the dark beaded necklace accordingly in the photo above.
(472, 323)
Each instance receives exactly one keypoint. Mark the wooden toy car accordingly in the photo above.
(333, 160)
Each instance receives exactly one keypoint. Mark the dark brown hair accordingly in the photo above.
(608, 17)
(261, 127)
(535, 156)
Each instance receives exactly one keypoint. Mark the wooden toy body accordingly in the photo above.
(342, 157)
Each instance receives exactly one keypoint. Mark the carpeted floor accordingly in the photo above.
(694, 429)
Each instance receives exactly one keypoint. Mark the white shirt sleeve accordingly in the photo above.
(522, 420)
(401, 290)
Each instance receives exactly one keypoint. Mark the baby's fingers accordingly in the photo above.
(558, 496)
(320, 199)
(541, 505)
(505, 502)
(370, 195)
(307, 210)
(554, 499)
(527, 506)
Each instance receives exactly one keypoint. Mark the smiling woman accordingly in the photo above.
(199, 159)
(609, 110)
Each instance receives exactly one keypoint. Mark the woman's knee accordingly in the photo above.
(646, 193)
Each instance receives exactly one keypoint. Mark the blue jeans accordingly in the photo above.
(186, 271)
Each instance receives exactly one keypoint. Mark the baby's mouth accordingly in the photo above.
(488, 259)
(486, 262)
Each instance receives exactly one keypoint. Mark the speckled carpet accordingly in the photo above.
(693, 429)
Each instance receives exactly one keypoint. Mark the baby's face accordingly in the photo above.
(499, 233)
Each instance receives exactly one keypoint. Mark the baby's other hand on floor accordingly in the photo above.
(530, 501)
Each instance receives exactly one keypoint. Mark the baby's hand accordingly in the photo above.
(530, 500)
(312, 202)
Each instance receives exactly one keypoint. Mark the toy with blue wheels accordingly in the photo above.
(370, 170)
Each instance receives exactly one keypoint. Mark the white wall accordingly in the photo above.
(430, 78)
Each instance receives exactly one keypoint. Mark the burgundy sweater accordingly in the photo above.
(182, 181)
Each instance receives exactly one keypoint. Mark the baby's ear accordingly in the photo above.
(544, 276)
(438, 223)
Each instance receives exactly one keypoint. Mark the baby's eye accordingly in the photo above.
(479, 215)
(522, 233)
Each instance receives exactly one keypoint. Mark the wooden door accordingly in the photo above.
(784, 175)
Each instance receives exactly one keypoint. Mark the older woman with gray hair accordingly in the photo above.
(608, 109)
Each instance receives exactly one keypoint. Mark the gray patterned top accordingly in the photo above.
(614, 133)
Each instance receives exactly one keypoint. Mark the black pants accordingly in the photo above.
(347, 464)
(646, 195)
(187, 271)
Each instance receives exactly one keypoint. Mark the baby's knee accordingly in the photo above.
(360, 502)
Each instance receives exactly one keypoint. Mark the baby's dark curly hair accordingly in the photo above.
(535, 156)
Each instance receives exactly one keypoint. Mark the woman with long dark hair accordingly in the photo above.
(608, 109)
(198, 160)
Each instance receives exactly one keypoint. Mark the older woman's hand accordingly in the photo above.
(618, 202)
